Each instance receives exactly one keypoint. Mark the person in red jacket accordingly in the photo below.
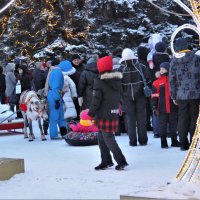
(164, 107)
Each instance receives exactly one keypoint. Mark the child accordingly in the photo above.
(104, 107)
(164, 107)
(84, 133)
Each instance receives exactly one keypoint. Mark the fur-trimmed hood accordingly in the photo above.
(112, 79)
(111, 75)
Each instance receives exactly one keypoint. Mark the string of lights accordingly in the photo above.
(191, 164)
(7, 6)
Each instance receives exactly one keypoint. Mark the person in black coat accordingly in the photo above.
(105, 109)
(184, 75)
(39, 76)
(133, 97)
(25, 77)
(142, 58)
(77, 64)
(2, 86)
(86, 81)
(159, 57)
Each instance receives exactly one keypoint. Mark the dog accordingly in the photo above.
(33, 109)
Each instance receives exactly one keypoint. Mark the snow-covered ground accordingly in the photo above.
(55, 170)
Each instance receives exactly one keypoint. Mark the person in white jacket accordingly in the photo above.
(69, 90)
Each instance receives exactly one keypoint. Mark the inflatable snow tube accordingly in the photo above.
(81, 139)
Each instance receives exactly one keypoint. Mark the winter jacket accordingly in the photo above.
(25, 78)
(184, 77)
(39, 79)
(10, 79)
(69, 90)
(158, 58)
(132, 84)
(2, 83)
(85, 85)
(161, 99)
(106, 97)
(76, 76)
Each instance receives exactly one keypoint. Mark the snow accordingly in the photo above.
(55, 170)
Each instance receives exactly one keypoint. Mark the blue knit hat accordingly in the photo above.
(165, 65)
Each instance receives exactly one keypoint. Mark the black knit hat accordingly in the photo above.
(75, 56)
(165, 65)
(160, 47)
(142, 53)
(118, 52)
(181, 44)
(55, 62)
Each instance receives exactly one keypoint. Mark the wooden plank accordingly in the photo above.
(123, 197)
(10, 166)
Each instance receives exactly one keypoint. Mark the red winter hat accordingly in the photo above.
(105, 64)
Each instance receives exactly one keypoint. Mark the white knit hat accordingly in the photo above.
(127, 54)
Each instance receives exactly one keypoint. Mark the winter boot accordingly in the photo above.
(103, 166)
(164, 144)
(175, 142)
(63, 131)
(121, 166)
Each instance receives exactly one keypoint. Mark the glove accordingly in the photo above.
(80, 101)
(74, 98)
(57, 104)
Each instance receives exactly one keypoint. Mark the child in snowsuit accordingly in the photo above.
(164, 107)
(104, 107)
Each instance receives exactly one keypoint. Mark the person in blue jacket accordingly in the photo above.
(54, 97)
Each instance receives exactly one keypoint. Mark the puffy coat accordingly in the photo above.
(10, 79)
(106, 97)
(39, 79)
(184, 77)
(69, 90)
(85, 85)
(132, 84)
(25, 78)
(75, 77)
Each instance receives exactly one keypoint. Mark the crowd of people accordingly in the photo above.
(115, 88)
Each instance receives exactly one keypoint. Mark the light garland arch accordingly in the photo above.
(7, 6)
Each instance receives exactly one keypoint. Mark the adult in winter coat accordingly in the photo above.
(185, 90)
(54, 97)
(39, 76)
(142, 53)
(77, 64)
(10, 85)
(133, 97)
(69, 90)
(86, 81)
(25, 77)
(104, 107)
(153, 40)
(2, 86)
